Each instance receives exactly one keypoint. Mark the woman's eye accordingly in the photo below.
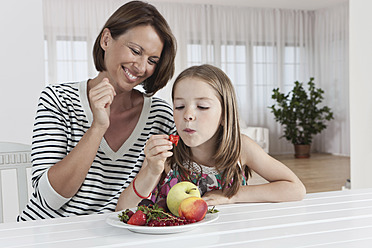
(135, 51)
(153, 62)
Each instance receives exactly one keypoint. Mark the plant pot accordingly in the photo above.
(302, 151)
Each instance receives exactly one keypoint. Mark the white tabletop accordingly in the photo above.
(330, 219)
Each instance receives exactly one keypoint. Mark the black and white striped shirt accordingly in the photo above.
(63, 116)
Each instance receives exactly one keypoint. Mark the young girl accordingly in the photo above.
(211, 152)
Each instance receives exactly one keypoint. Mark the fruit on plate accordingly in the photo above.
(139, 218)
(152, 215)
(193, 208)
(174, 139)
(178, 193)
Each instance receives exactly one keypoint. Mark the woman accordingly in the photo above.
(89, 136)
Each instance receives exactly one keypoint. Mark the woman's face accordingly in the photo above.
(197, 112)
(132, 57)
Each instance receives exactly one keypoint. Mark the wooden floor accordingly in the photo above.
(321, 172)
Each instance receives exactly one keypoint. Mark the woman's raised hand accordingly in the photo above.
(100, 98)
(157, 150)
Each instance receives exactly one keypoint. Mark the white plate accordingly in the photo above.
(113, 220)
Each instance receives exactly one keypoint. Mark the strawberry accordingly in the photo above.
(138, 219)
(174, 139)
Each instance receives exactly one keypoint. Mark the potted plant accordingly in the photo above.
(300, 115)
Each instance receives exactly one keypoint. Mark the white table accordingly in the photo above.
(330, 219)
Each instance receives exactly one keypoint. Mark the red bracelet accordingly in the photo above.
(135, 191)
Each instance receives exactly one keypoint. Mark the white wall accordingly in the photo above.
(21, 81)
(21, 67)
(360, 93)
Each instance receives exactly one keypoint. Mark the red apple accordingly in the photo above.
(193, 208)
(178, 193)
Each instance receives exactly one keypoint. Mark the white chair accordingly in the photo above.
(259, 134)
(15, 156)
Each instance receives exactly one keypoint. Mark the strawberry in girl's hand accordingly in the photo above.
(174, 139)
(138, 219)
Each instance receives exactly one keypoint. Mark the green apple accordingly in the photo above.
(178, 193)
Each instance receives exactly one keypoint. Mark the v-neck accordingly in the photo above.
(133, 136)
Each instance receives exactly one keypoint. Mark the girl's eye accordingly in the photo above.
(203, 108)
(178, 107)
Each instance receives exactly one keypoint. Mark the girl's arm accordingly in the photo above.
(157, 150)
(283, 184)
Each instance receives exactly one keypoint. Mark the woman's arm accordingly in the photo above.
(157, 150)
(67, 175)
(283, 184)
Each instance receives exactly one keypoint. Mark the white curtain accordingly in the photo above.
(260, 49)
(331, 68)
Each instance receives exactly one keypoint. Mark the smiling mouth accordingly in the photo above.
(131, 76)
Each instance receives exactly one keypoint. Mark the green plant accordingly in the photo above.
(299, 113)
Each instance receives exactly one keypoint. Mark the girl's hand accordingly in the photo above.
(100, 99)
(157, 150)
(215, 197)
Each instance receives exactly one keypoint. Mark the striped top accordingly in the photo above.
(63, 116)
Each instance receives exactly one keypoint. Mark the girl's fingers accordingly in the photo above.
(162, 155)
(158, 140)
(156, 150)
(158, 144)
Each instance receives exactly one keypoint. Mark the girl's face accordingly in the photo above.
(197, 112)
(132, 57)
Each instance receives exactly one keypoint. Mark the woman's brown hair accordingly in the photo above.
(133, 14)
(228, 147)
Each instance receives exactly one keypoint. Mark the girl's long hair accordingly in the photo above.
(228, 146)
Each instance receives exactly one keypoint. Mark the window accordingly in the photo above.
(71, 59)
(265, 74)
(196, 54)
(291, 67)
(264, 65)
(193, 54)
(46, 61)
(234, 64)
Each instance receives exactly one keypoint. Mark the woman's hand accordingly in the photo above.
(215, 197)
(100, 99)
(157, 150)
